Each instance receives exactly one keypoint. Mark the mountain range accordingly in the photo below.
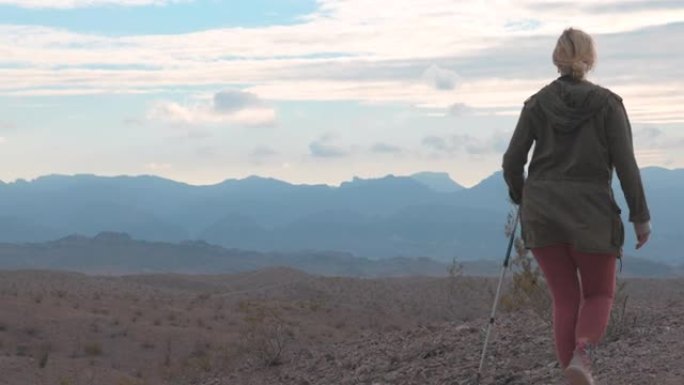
(422, 215)
(110, 253)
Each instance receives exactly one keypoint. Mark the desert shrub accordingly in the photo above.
(147, 345)
(43, 359)
(92, 349)
(31, 331)
(455, 296)
(267, 334)
(528, 290)
(44, 355)
(22, 350)
(621, 321)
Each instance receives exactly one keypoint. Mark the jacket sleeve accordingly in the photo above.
(621, 150)
(515, 157)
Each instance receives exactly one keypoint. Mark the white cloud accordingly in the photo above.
(2, 140)
(458, 109)
(325, 147)
(441, 78)
(467, 144)
(226, 107)
(348, 51)
(386, 148)
(84, 3)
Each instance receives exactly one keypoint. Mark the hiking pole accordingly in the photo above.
(498, 293)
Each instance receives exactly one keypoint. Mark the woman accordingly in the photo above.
(569, 217)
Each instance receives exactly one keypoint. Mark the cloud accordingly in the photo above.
(2, 140)
(226, 107)
(336, 54)
(467, 144)
(458, 109)
(651, 139)
(634, 6)
(440, 78)
(230, 101)
(648, 135)
(324, 148)
(261, 154)
(437, 144)
(384, 148)
(66, 4)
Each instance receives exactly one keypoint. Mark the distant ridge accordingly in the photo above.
(438, 181)
(425, 214)
(113, 253)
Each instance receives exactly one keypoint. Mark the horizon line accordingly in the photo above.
(255, 176)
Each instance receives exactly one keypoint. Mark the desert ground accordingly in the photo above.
(282, 326)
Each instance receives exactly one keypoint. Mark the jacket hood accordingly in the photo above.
(567, 103)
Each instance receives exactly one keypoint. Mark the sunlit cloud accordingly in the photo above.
(424, 84)
(451, 55)
(441, 78)
(227, 107)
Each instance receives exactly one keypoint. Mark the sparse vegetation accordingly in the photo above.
(621, 320)
(92, 349)
(528, 290)
(254, 325)
(455, 296)
(267, 334)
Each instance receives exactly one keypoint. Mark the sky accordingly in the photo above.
(312, 91)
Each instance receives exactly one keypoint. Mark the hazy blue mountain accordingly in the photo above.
(393, 216)
(14, 229)
(437, 181)
(118, 253)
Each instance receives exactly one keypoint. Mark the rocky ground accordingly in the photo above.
(284, 327)
(644, 346)
(650, 352)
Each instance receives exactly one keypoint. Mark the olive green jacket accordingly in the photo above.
(580, 133)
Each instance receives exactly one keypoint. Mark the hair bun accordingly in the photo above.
(579, 69)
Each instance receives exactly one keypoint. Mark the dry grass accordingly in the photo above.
(172, 329)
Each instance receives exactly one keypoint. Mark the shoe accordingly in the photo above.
(578, 371)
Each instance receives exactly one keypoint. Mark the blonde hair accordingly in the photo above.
(575, 53)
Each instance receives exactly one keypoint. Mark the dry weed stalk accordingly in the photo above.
(267, 334)
(621, 322)
(528, 291)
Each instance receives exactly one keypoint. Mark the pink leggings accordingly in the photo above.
(582, 286)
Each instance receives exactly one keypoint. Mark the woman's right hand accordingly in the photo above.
(643, 233)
